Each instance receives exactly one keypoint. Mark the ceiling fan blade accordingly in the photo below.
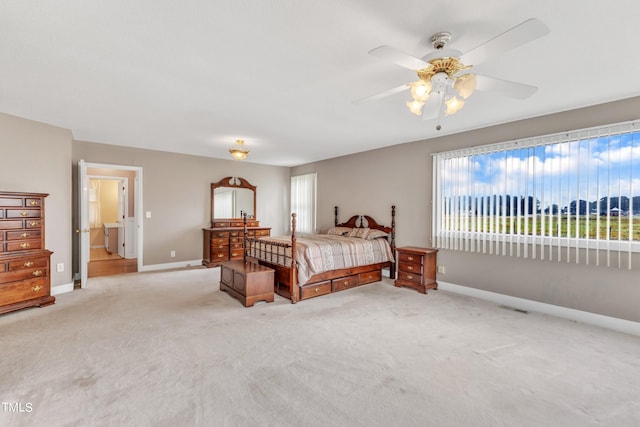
(522, 33)
(399, 57)
(504, 87)
(384, 94)
(431, 107)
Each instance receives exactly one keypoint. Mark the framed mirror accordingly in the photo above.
(231, 197)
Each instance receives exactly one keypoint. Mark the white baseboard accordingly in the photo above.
(62, 289)
(170, 265)
(614, 323)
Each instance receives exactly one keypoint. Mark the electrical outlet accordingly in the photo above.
(173, 254)
(148, 214)
(441, 269)
(60, 267)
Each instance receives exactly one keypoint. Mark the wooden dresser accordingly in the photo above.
(417, 268)
(24, 261)
(223, 241)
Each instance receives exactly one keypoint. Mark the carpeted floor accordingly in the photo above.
(168, 349)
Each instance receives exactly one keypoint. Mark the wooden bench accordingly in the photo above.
(247, 281)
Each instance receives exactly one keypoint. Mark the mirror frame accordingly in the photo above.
(232, 182)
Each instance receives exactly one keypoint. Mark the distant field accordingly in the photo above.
(588, 226)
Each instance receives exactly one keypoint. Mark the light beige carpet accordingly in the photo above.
(170, 349)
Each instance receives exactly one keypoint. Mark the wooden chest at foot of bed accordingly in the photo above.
(246, 281)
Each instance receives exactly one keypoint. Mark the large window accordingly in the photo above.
(572, 197)
(303, 202)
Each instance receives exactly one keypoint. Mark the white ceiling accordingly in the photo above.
(192, 76)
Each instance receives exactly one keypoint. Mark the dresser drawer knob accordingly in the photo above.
(37, 273)
(316, 290)
(34, 203)
(25, 235)
(220, 255)
(28, 264)
(409, 276)
(33, 224)
(24, 245)
(36, 288)
(409, 267)
(410, 258)
(24, 213)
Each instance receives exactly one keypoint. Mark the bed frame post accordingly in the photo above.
(335, 216)
(294, 288)
(244, 236)
(392, 268)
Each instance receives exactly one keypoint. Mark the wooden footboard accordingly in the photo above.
(281, 256)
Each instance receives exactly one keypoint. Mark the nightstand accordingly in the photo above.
(417, 268)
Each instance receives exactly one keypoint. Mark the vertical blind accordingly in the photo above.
(568, 197)
(303, 202)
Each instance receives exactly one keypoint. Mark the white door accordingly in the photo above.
(123, 214)
(83, 226)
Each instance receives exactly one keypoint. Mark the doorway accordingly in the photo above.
(110, 205)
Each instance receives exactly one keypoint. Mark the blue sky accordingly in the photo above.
(588, 169)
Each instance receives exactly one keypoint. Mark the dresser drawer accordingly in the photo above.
(28, 263)
(315, 290)
(34, 224)
(11, 225)
(220, 224)
(237, 224)
(262, 232)
(11, 202)
(219, 242)
(344, 283)
(24, 213)
(220, 234)
(23, 234)
(370, 277)
(26, 273)
(33, 203)
(23, 290)
(220, 254)
(236, 253)
(24, 245)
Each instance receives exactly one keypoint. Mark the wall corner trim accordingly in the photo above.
(620, 325)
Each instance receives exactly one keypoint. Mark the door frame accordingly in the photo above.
(83, 213)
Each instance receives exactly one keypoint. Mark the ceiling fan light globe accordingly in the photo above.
(453, 105)
(420, 90)
(415, 107)
(465, 85)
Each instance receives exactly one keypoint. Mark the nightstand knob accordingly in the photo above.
(409, 267)
(409, 276)
(410, 258)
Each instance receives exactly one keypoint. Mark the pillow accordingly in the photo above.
(376, 234)
(339, 231)
(360, 232)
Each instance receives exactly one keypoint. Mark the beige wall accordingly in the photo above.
(372, 181)
(176, 190)
(36, 157)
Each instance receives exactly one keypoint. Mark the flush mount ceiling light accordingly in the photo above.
(444, 80)
(239, 151)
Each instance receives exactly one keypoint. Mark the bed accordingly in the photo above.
(347, 255)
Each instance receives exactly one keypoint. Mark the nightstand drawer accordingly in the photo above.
(410, 257)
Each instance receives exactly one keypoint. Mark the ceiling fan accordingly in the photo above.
(444, 77)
